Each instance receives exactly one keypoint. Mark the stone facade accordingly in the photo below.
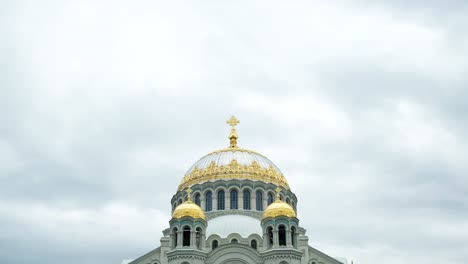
(281, 241)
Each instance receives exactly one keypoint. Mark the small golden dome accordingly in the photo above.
(188, 209)
(278, 208)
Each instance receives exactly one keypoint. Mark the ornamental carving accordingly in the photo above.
(234, 170)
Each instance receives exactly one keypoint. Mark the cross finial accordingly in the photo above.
(233, 121)
(278, 190)
(189, 191)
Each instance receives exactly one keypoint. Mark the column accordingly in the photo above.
(288, 238)
(203, 241)
(192, 239)
(180, 238)
(275, 239)
(240, 200)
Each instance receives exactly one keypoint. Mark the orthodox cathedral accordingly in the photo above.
(234, 206)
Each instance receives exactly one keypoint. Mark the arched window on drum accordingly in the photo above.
(282, 235)
(259, 201)
(246, 199)
(186, 236)
(209, 201)
(197, 199)
(221, 200)
(271, 198)
(234, 199)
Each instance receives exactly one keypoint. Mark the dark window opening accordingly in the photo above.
(186, 237)
(282, 235)
(209, 202)
(271, 198)
(259, 201)
(214, 244)
(246, 200)
(234, 199)
(253, 244)
(221, 200)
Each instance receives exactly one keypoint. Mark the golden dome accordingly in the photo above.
(278, 208)
(233, 163)
(188, 209)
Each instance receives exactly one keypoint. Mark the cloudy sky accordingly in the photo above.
(105, 104)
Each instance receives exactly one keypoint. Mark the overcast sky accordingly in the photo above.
(105, 104)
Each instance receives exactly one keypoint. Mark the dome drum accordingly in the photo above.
(261, 195)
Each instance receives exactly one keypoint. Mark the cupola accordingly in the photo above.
(233, 162)
(188, 209)
(279, 208)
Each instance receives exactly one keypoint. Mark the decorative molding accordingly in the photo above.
(185, 254)
(234, 170)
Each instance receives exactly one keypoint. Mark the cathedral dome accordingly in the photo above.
(188, 209)
(279, 208)
(233, 163)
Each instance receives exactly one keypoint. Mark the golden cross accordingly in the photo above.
(233, 121)
(233, 135)
(278, 190)
(189, 191)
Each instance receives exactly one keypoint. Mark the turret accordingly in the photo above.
(187, 233)
(280, 230)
